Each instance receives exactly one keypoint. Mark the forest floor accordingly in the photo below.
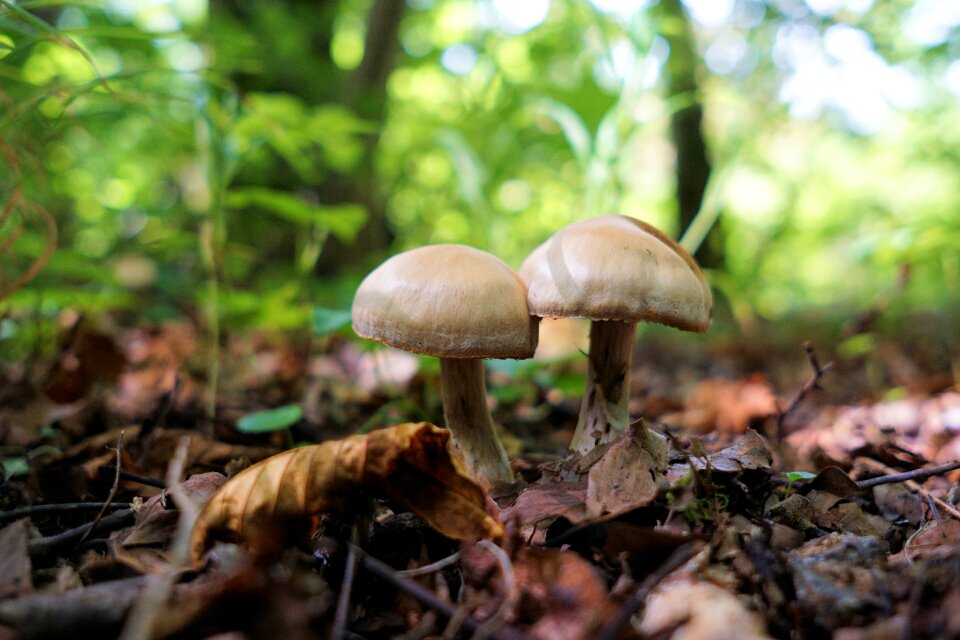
(803, 495)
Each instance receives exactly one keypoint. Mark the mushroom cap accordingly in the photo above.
(449, 301)
(617, 268)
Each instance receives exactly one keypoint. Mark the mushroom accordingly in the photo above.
(459, 304)
(616, 271)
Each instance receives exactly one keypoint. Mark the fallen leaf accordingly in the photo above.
(850, 518)
(561, 595)
(539, 506)
(91, 357)
(142, 546)
(274, 500)
(836, 481)
(750, 451)
(729, 406)
(896, 501)
(936, 539)
(15, 568)
(625, 477)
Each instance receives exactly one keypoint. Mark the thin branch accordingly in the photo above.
(45, 509)
(510, 599)
(113, 489)
(341, 616)
(429, 598)
(132, 477)
(916, 474)
(913, 485)
(142, 621)
(46, 546)
(811, 384)
(637, 600)
(433, 567)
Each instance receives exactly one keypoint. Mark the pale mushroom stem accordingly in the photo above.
(604, 414)
(464, 393)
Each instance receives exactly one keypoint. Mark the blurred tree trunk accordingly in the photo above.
(686, 127)
(300, 63)
(366, 93)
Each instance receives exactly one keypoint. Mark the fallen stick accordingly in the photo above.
(811, 384)
(340, 617)
(113, 489)
(55, 509)
(916, 474)
(90, 611)
(913, 485)
(46, 546)
(132, 477)
(635, 603)
(429, 598)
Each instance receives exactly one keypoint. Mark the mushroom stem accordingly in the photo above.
(604, 413)
(464, 393)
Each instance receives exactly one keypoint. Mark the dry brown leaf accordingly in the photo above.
(567, 592)
(625, 477)
(539, 506)
(91, 357)
(729, 406)
(274, 500)
(936, 539)
(750, 451)
(561, 595)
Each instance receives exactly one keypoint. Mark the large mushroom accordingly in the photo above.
(461, 305)
(616, 271)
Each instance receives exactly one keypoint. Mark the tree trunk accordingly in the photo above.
(686, 127)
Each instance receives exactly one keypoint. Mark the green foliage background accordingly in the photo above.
(234, 161)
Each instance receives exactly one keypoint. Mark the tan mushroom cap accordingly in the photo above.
(617, 268)
(448, 301)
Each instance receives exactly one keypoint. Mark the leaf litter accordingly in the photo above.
(719, 516)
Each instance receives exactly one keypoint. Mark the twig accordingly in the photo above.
(142, 620)
(916, 474)
(45, 546)
(346, 587)
(811, 384)
(113, 488)
(67, 507)
(913, 485)
(636, 601)
(510, 599)
(934, 510)
(429, 598)
(133, 477)
(433, 567)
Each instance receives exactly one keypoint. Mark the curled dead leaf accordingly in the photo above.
(408, 463)
(625, 477)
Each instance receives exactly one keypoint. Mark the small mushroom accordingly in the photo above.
(461, 305)
(616, 271)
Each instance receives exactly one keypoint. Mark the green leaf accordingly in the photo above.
(793, 476)
(468, 168)
(572, 126)
(271, 420)
(329, 320)
(13, 467)
(342, 220)
(859, 345)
